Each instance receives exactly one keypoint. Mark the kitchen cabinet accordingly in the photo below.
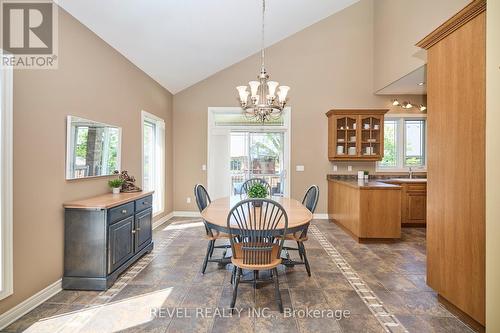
(356, 134)
(413, 201)
(456, 218)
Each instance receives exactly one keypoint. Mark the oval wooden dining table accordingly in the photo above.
(217, 212)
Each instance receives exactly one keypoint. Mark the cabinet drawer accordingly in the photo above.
(119, 213)
(143, 203)
(417, 188)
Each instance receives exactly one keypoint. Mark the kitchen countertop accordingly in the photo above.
(366, 184)
(405, 180)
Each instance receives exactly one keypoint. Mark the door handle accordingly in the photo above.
(133, 231)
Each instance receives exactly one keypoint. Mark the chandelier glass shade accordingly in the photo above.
(263, 100)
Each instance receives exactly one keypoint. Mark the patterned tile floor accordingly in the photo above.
(164, 291)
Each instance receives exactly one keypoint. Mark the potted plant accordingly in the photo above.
(257, 191)
(116, 185)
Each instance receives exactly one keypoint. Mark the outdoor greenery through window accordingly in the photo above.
(404, 143)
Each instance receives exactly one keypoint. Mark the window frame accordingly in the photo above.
(401, 143)
(160, 162)
(6, 188)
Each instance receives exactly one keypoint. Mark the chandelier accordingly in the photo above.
(266, 99)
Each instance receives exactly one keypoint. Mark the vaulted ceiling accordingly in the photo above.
(181, 42)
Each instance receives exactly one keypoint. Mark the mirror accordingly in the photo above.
(93, 149)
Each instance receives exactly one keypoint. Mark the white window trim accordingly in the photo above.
(6, 112)
(159, 122)
(286, 128)
(401, 138)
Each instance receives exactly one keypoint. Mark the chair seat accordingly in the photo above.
(218, 235)
(294, 237)
(239, 263)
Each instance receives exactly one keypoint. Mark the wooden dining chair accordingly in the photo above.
(249, 183)
(310, 201)
(259, 222)
(202, 201)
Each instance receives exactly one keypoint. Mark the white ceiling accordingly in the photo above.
(181, 42)
(409, 84)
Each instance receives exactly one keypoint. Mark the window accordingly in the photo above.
(153, 159)
(404, 143)
(6, 268)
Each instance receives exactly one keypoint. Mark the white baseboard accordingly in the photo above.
(162, 220)
(29, 304)
(181, 213)
(320, 216)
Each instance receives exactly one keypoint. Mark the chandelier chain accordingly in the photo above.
(263, 52)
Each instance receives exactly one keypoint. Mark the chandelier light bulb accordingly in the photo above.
(395, 102)
(423, 107)
(272, 85)
(254, 87)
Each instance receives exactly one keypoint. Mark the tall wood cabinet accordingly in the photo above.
(356, 134)
(456, 83)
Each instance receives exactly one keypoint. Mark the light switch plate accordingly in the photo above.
(349, 168)
(204, 167)
(299, 168)
(335, 168)
(188, 200)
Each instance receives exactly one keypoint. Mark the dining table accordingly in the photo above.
(216, 216)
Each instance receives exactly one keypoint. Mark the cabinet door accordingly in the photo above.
(143, 229)
(121, 243)
(416, 207)
(372, 137)
(345, 144)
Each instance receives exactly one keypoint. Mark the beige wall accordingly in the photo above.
(327, 65)
(95, 82)
(399, 24)
(492, 163)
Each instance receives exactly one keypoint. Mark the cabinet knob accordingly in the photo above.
(145, 203)
(124, 211)
(133, 231)
(138, 229)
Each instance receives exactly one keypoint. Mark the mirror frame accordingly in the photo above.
(68, 147)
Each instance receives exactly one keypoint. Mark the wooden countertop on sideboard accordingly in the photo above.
(105, 201)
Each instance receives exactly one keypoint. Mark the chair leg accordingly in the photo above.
(306, 262)
(212, 249)
(206, 257)
(233, 274)
(300, 252)
(235, 289)
(277, 290)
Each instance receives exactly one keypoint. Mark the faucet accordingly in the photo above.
(410, 171)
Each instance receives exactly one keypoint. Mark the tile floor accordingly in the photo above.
(164, 291)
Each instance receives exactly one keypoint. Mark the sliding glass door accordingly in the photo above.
(257, 155)
(240, 149)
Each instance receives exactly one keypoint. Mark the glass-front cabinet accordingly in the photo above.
(356, 134)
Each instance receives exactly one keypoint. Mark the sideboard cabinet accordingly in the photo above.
(356, 134)
(103, 236)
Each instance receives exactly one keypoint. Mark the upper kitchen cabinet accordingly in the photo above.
(356, 134)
